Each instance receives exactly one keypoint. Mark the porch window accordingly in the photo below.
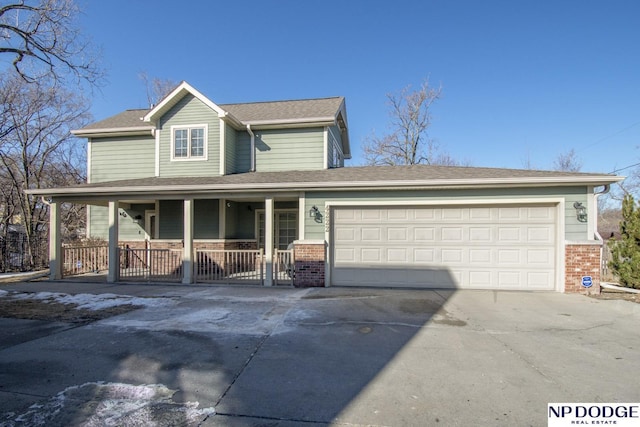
(189, 142)
(285, 228)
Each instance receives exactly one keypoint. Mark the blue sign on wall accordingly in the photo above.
(587, 282)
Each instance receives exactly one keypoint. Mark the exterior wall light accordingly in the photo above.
(581, 211)
(314, 213)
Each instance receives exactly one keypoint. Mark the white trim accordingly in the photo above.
(325, 159)
(276, 228)
(157, 231)
(310, 242)
(223, 148)
(157, 153)
(140, 130)
(148, 213)
(222, 218)
(302, 217)
(592, 214)
(205, 152)
(182, 89)
(268, 239)
(89, 161)
(87, 231)
(559, 203)
(188, 255)
(303, 122)
(342, 185)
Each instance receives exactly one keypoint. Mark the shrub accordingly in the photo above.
(625, 252)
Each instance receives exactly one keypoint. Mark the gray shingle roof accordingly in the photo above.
(126, 119)
(250, 112)
(285, 110)
(389, 177)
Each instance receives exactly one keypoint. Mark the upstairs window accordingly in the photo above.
(189, 142)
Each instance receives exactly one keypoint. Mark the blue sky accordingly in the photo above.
(521, 79)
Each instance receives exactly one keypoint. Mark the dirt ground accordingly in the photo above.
(55, 311)
(613, 294)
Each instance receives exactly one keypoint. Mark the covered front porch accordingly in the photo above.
(199, 238)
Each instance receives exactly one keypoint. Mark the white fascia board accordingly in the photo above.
(306, 122)
(130, 131)
(175, 95)
(334, 186)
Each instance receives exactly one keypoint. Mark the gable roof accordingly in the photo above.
(128, 122)
(324, 109)
(173, 97)
(339, 179)
(291, 113)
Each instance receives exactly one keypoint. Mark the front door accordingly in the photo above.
(285, 228)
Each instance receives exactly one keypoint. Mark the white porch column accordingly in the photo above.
(268, 240)
(188, 256)
(222, 218)
(55, 242)
(114, 260)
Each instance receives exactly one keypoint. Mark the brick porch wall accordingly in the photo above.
(309, 264)
(582, 260)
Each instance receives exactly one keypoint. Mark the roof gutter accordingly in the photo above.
(605, 190)
(253, 149)
(138, 130)
(127, 189)
(319, 121)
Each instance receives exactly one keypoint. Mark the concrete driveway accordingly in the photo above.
(285, 357)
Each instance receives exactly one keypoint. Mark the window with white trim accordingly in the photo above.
(189, 142)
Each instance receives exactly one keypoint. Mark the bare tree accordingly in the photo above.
(38, 152)
(44, 41)
(567, 162)
(408, 142)
(156, 87)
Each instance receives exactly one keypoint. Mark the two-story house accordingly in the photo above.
(190, 174)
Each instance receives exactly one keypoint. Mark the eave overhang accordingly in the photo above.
(97, 133)
(163, 189)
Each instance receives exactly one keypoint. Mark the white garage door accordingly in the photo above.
(484, 247)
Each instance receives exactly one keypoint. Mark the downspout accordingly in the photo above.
(253, 149)
(605, 190)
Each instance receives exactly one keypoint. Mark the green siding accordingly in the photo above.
(206, 219)
(122, 158)
(243, 152)
(128, 227)
(335, 138)
(290, 149)
(170, 219)
(574, 230)
(205, 222)
(231, 161)
(190, 111)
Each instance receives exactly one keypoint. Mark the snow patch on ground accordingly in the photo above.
(89, 301)
(112, 404)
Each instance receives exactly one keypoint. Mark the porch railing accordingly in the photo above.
(284, 267)
(150, 264)
(85, 259)
(224, 266)
(230, 266)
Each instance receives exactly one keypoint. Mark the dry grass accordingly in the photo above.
(55, 311)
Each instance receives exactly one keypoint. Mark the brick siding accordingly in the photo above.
(309, 264)
(582, 260)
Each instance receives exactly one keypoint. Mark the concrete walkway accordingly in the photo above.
(290, 357)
